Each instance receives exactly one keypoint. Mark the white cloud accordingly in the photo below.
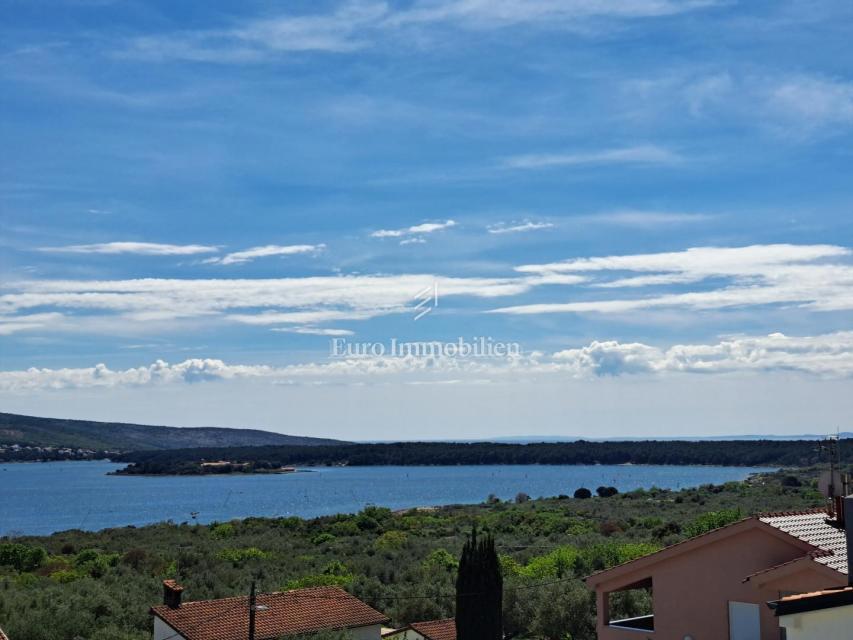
(518, 227)
(139, 248)
(241, 257)
(357, 24)
(643, 219)
(793, 106)
(150, 299)
(638, 155)
(416, 231)
(315, 331)
(808, 276)
(828, 356)
(17, 323)
(810, 102)
(811, 277)
(343, 30)
(498, 13)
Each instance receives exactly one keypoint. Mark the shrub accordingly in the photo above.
(238, 556)
(606, 492)
(222, 530)
(443, 560)
(712, 520)
(322, 538)
(583, 493)
(391, 540)
(21, 557)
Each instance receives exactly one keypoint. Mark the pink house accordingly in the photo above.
(715, 586)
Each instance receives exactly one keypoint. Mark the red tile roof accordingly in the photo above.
(436, 629)
(281, 614)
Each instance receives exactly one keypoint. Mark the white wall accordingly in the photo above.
(373, 632)
(836, 622)
(163, 631)
(407, 634)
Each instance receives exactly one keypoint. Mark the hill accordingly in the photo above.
(88, 434)
(790, 453)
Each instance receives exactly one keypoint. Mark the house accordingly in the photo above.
(716, 585)
(816, 616)
(277, 615)
(3, 636)
(429, 630)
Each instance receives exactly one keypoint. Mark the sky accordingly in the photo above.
(227, 213)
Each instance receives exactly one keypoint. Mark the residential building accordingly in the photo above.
(820, 615)
(277, 615)
(716, 585)
(3, 636)
(429, 630)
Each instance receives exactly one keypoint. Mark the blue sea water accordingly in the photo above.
(41, 498)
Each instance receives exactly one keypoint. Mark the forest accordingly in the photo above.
(99, 585)
(793, 453)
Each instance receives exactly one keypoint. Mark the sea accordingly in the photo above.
(43, 498)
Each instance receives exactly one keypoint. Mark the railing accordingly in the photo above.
(640, 623)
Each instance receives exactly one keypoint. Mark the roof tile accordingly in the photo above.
(282, 613)
(815, 528)
(436, 629)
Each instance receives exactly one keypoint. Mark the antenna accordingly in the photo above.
(253, 609)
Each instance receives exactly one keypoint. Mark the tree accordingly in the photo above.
(583, 493)
(606, 492)
(479, 591)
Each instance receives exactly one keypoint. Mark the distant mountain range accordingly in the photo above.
(534, 439)
(87, 434)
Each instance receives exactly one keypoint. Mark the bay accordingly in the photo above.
(42, 498)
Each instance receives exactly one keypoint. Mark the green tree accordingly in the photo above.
(479, 591)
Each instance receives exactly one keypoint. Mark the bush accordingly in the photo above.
(712, 520)
(606, 492)
(222, 530)
(583, 493)
(391, 540)
(21, 557)
(238, 556)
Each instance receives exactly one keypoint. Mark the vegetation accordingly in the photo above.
(479, 590)
(99, 586)
(101, 436)
(797, 453)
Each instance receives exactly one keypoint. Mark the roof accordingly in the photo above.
(431, 629)
(279, 614)
(814, 528)
(3, 636)
(821, 541)
(813, 601)
(436, 629)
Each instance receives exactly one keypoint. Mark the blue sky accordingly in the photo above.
(652, 198)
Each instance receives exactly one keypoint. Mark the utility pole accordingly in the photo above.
(252, 612)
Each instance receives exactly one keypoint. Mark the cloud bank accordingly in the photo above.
(828, 356)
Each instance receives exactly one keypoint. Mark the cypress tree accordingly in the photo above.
(479, 591)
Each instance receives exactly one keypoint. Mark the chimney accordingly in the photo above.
(172, 594)
(848, 531)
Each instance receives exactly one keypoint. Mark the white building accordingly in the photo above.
(819, 615)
